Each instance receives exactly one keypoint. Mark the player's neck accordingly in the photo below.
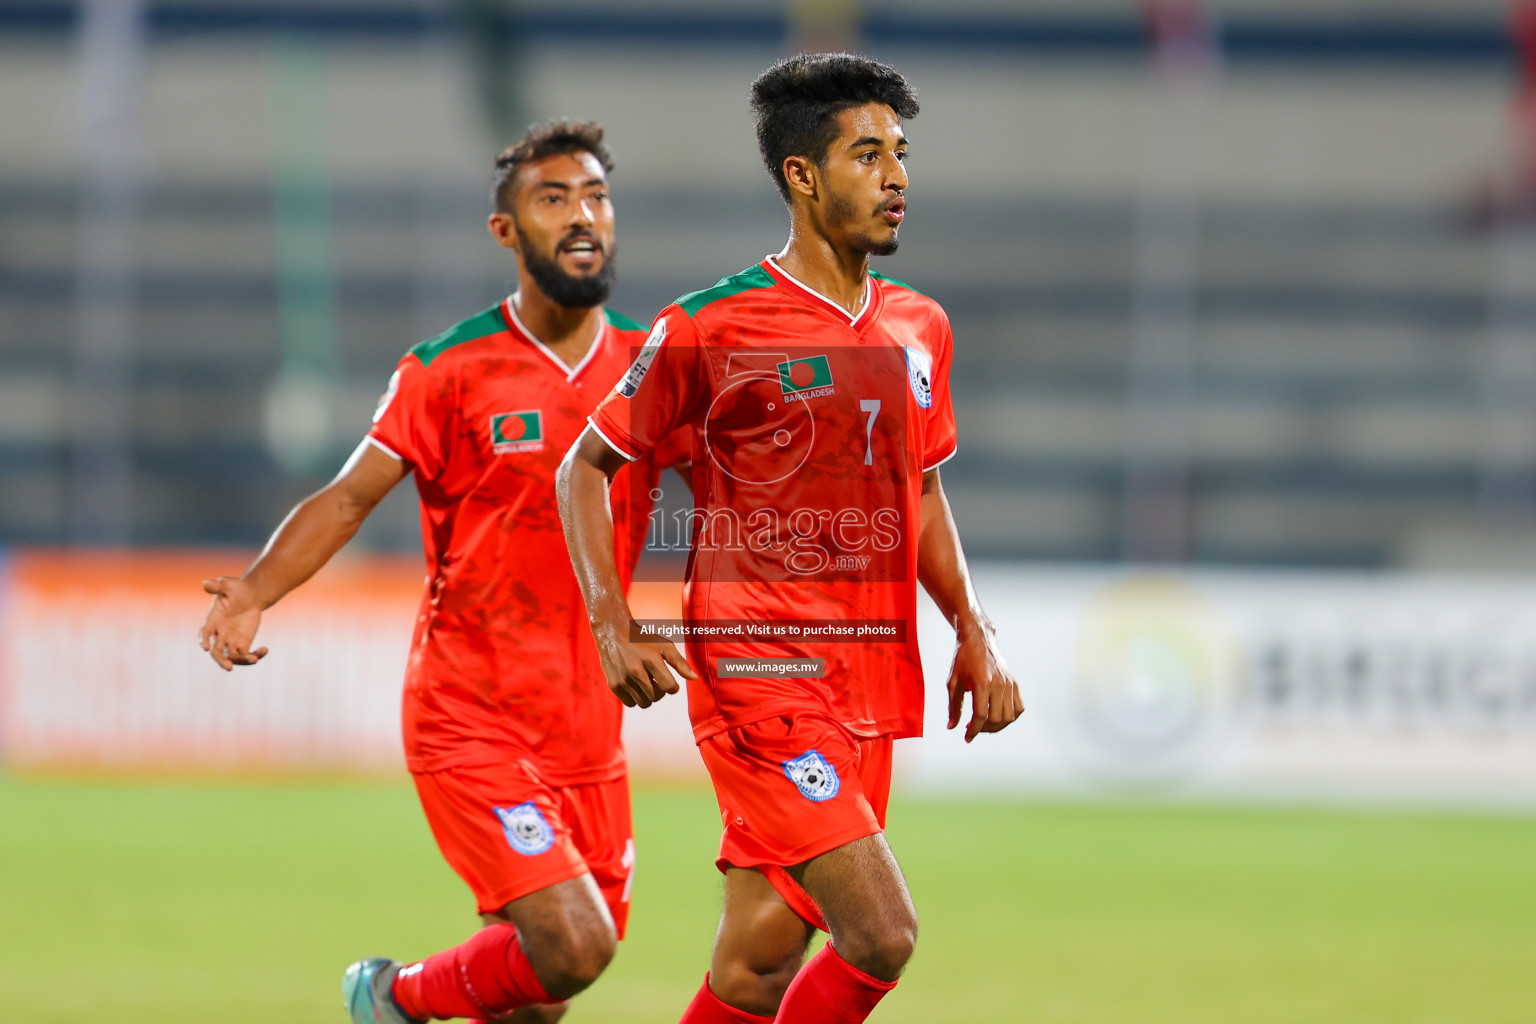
(839, 274)
(567, 331)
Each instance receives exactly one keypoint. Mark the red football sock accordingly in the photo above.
(707, 1008)
(486, 976)
(830, 990)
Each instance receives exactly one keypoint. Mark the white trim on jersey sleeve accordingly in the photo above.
(952, 453)
(381, 446)
(609, 441)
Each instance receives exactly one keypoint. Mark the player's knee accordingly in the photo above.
(887, 956)
(881, 951)
(895, 950)
(577, 959)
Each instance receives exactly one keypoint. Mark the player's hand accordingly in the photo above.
(640, 672)
(231, 623)
(979, 670)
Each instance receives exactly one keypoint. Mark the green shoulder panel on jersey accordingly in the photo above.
(751, 278)
(623, 322)
(477, 326)
(891, 280)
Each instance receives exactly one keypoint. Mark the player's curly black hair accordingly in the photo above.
(795, 103)
(548, 138)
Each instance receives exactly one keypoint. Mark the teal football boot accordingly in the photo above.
(365, 988)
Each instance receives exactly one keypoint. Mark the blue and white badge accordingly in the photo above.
(813, 776)
(920, 375)
(630, 382)
(527, 831)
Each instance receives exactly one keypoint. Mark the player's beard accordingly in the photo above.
(841, 213)
(561, 288)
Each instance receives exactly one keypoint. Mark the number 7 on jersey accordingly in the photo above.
(871, 406)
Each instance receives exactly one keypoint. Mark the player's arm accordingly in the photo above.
(314, 531)
(637, 673)
(979, 668)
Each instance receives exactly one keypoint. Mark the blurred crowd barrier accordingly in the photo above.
(1245, 684)
(100, 666)
(1252, 684)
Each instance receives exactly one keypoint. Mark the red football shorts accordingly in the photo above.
(791, 789)
(507, 833)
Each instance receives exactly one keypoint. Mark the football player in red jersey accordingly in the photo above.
(818, 394)
(511, 734)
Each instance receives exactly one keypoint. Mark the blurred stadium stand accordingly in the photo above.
(1344, 408)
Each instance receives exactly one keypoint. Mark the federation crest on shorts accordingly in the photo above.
(527, 831)
(814, 776)
(920, 375)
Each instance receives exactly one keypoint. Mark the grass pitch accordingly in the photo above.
(138, 902)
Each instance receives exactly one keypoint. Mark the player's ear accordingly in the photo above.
(800, 175)
(503, 228)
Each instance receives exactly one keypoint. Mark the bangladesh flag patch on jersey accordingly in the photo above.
(805, 378)
(517, 432)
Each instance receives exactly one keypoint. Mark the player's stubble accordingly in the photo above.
(842, 215)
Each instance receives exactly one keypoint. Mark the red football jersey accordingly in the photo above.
(811, 433)
(503, 664)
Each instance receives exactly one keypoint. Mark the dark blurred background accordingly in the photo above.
(1242, 283)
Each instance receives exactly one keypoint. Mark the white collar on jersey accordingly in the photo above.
(565, 368)
(852, 320)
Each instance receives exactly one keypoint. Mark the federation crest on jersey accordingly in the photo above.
(527, 831)
(517, 432)
(630, 382)
(814, 776)
(920, 375)
(800, 379)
